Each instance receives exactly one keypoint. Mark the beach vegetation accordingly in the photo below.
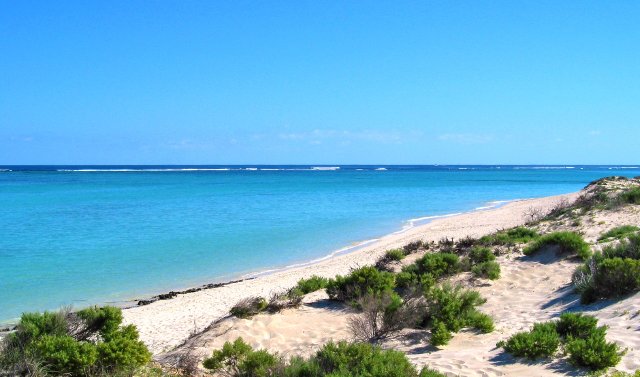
(566, 242)
(395, 255)
(426, 372)
(427, 270)
(481, 254)
(390, 256)
(613, 272)
(618, 233)
(248, 307)
(581, 339)
(631, 196)
(291, 298)
(84, 343)
(466, 242)
(238, 359)
(312, 284)
(440, 334)
(384, 314)
(509, 237)
(488, 270)
(415, 246)
(362, 281)
(593, 351)
(542, 341)
(454, 308)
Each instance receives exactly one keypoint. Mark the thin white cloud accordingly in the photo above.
(466, 138)
(317, 136)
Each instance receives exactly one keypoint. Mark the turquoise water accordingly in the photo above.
(76, 238)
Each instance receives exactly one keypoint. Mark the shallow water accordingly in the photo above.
(93, 234)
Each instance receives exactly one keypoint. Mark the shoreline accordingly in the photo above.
(162, 295)
(353, 248)
(166, 322)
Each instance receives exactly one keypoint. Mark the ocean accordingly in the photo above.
(84, 235)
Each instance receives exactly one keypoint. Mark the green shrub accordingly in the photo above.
(509, 237)
(576, 325)
(312, 284)
(610, 273)
(409, 278)
(618, 232)
(440, 335)
(341, 359)
(489, 270)
(568, 242)
(362, 359)
(62, 354)
(616, 277)
(541, 341)
(629, 248)
(430, 373)
(395, 255)
(593, 352)
(105, 320)
(239, 359)
(631, 196)
(248, 307)
(361, 281)
(74, 344)
(438, 264)
(482, 322)
(481, 254)
(414, 246)
(584, 342)
(454, 307)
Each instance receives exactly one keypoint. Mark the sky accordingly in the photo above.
(319, 82)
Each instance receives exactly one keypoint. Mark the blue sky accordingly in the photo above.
(213, 82)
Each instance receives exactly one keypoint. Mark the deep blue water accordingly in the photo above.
(79, 235)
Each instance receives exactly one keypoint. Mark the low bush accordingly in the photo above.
(360, 282)
(395, 255)
(616, 277)
(239, 359)
(583, 341)
(414, 246)
(631, 196)
(426, 372)
(487, 270)
(248, 307)
(455, 308)
(88, 342)
(568, 242)
(382, 314)
(576, 325)
(481, 322)
(618, 232)
(438, 264)
(629, 248)
(389, 257)
(289, 299)
(481, 254)
(312, 284)
(542, 341)
(593, 351)
(342, 359)
(440, 334)
(362, 359)
(509, 237)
